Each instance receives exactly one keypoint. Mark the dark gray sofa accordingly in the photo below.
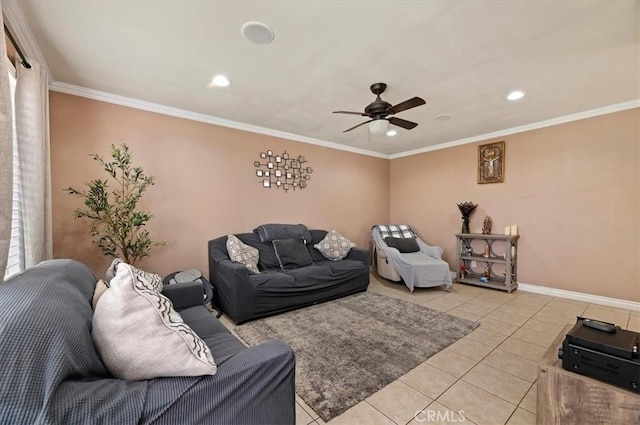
(243, 296)
(52, 373)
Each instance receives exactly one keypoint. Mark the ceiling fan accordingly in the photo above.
(379, 112)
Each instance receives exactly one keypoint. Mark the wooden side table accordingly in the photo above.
(568, 398)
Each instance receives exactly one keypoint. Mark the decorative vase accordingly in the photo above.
(465, 225)
(466, 208)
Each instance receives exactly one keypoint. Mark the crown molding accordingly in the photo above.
(580, 296)
(208, 119)
(21, 31)
(527, 127)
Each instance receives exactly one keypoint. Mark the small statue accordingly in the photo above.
(486, 225)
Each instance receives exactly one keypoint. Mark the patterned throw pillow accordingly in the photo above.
(140, 336)
(156, 280)
(334, 246)
(243, 253)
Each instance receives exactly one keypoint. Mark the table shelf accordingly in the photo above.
(466, 255)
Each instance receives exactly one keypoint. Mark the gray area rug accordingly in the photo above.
(350, 348)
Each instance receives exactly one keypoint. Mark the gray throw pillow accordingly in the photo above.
(292, 253)
(404, 245)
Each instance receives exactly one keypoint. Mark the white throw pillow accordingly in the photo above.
(156, 280)
(243, 253)
(140, 336)
(334, 246)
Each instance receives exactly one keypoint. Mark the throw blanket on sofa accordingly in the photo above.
(52, 373)
(395, 231)
(47, 353)
(418, 269)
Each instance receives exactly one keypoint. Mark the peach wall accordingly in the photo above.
(205, 182)
(572, 189)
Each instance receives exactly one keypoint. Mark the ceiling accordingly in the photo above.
(462, 57)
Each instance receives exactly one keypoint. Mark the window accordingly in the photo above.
(15, 261)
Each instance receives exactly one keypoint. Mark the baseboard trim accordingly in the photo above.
(580, 296)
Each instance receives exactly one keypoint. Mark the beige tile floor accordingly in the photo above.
(487, 377)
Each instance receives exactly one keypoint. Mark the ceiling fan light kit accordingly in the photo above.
(219, 80)
(379, 111)
(379, 127)
(515, 95)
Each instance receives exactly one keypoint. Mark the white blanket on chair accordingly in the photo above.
(422, 269)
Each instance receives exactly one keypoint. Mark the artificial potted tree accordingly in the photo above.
(118, 226)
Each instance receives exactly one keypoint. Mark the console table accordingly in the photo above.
(479, 248)
(567, 398)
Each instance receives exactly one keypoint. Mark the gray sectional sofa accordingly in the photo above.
(53, 374)
(244, 296)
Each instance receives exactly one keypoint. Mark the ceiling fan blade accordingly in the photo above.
(403, 123)
(363, 123)
(351, 113)
(407, 104)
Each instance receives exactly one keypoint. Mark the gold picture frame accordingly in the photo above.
(491, 163)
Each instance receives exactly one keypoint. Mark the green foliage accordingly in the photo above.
(118, 227)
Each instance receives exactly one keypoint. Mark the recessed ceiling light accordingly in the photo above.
(442, 117)
(257, 32)
(219, 81)
(391, 133)
(515, 95)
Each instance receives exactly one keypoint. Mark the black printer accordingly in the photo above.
(603, 351)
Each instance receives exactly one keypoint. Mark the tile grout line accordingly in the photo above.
(382, 413)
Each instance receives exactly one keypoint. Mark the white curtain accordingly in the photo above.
(34, 162)
(6, 154)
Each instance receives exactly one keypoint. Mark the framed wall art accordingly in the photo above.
(491, 163)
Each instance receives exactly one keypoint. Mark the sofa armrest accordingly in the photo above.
(184, 295)
(256, 386)
(359, 254)
(233, 290)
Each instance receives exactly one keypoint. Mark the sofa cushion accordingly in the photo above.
(271, 232)
(402, 244)
(329, 270)
(316, 236)
(243, 253)
(202, 322)
(140, 336)
(334, 246)
(292, 253)
(222, 344)
(267, 256)
(272, 278)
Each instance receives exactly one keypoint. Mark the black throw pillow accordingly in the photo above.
(402, 244)
(292, 253)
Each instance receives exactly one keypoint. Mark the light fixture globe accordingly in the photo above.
(515, 95)
(379, 127)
